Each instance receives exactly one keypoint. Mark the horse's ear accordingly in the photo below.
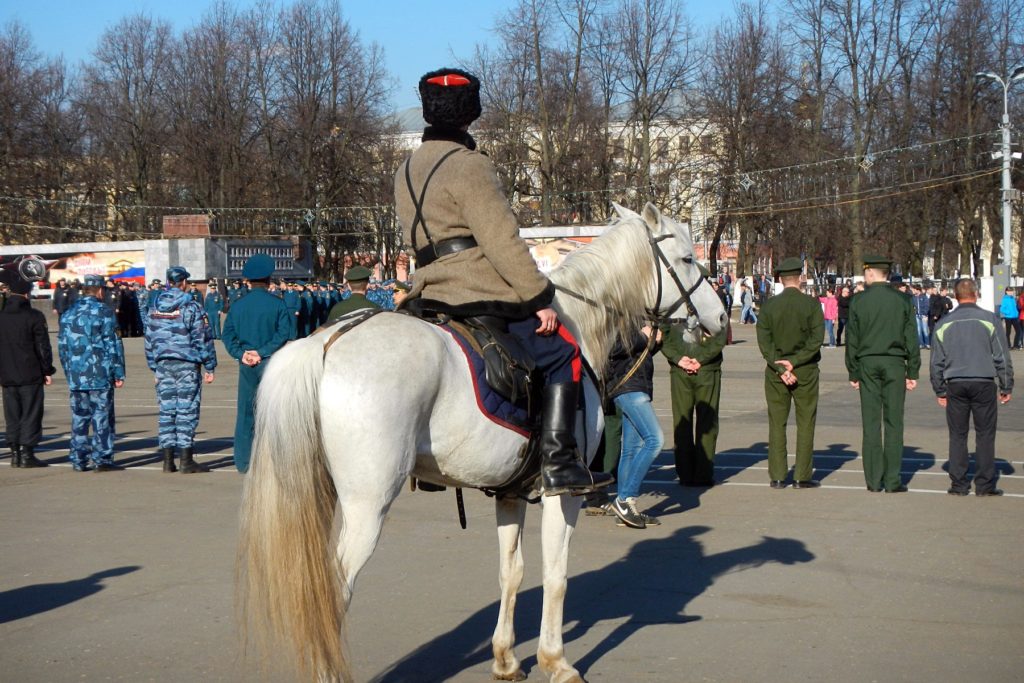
(652, 216)
(624, 212)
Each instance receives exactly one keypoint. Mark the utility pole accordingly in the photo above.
(1006, 154)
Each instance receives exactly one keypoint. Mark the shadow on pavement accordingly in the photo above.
(24, 602)
(915, 461)
(838, 455)
(674, 571)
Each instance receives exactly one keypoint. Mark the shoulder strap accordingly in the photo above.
(418, 202)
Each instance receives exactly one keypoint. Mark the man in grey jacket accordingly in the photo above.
(969, 357)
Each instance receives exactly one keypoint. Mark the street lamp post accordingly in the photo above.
(1005, 152)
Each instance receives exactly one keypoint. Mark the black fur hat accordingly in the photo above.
(451, 98)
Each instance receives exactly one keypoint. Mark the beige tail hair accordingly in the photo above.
(287, 580)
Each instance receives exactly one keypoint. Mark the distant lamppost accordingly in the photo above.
(1005, 153)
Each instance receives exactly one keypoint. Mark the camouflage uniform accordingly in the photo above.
(178, 341)
(93, 359)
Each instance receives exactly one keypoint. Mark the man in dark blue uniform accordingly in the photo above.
(290, 296)
(257, 325)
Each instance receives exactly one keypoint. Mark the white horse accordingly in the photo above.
(336, 451)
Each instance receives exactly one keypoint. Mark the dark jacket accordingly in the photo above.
(623, 358)
(844, 306)
(25, 353)
(938, 307)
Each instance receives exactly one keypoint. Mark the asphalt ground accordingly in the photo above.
(128, 576)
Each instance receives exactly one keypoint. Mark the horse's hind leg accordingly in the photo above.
(557, 524)
(511, 514)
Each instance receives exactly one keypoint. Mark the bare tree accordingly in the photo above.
(660, 63)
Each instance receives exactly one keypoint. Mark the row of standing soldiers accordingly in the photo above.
(310, 304)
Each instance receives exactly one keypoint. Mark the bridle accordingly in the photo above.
(685, 294)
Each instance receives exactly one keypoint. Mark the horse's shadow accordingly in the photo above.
(653, 584)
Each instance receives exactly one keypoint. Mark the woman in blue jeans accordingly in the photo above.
(630, 383)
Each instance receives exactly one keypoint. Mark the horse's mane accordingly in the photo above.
(614, 270)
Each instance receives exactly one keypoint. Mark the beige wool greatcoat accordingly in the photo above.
(464, 199)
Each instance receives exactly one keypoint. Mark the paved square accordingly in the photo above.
(129, 576)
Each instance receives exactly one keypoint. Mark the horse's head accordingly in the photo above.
(682, 292)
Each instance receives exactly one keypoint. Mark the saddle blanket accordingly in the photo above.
(493, 405)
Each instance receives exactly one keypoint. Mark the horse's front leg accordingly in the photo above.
(511, 514)
(558, 521)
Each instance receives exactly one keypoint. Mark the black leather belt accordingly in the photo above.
(432, 252)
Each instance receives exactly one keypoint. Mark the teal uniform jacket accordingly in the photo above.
(353, 303)
(261, 322)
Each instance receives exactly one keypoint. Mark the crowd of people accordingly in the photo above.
(472, 262)
(253, 316)
(887, 324)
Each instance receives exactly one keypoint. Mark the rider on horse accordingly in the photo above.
(471, 262)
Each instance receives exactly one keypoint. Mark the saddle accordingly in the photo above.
(508, 370)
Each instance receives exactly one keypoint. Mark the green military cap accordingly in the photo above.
(401, 285)
(876, 261)
(703, 270)
(357, 274)
(790, 266)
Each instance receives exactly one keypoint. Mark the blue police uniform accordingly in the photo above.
(258, 322)
(293, 303)
(178, 342)
(214, 304)
(93, 359)
(307, 321)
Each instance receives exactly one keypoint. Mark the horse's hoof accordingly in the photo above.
(516, 675)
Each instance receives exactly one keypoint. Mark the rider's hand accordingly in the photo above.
(548, 321)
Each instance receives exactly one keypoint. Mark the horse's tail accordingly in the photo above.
(288, 580)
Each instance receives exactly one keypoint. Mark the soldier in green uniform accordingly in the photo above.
(789, 333)
(883, 361)
(257, 325)
(695, 382)
(358, 280)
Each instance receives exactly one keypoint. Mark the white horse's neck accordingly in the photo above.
(614, 279)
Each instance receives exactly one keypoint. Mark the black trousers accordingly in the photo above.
(23, 413)
(964, 400)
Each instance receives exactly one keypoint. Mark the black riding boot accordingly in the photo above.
(562, 470)
(15, 455)
(190, 466)
(29, 459)
(169, 460)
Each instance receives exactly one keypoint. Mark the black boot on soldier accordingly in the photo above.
(169, 460)
(29, 459)
(562, 470)
(15, 455)
(190, 466)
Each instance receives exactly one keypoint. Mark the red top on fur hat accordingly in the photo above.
(449, 79)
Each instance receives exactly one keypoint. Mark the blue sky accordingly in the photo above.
(416, 35)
